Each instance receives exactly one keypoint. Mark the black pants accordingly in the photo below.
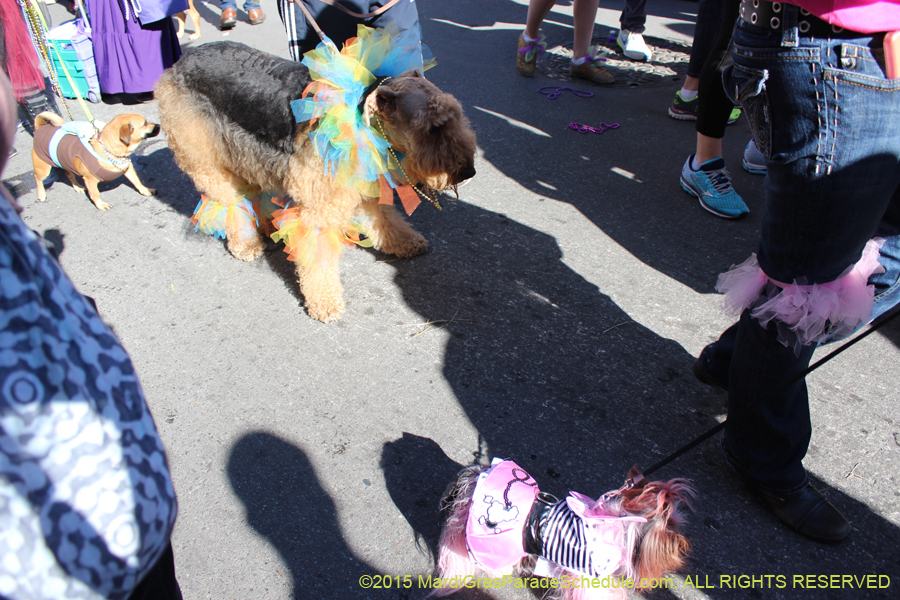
(714, 107)
(160, 582)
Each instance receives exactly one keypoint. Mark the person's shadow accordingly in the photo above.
(287, 506)
(553, 374)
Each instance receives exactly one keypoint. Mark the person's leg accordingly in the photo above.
(531, 43)
(709, 18)
(254, 12)
(537, 12)
(710, 106)
(630, 38)
(708, 148)
(704, 174)
(829, 184)
(584, 15)
(634, 16)
(586, 64)
(160, 583)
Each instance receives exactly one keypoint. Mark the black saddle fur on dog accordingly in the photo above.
(252, 88)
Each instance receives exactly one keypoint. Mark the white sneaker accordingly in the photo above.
(633, 45)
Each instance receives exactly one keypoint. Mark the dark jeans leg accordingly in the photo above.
(634, 15)
(768, 429)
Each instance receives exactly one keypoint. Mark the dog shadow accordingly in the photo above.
(417, 473)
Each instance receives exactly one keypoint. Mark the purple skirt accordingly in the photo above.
(129, 56)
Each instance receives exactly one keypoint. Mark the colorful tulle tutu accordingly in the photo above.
(282, 222)
(804, 314)
(309, 245)
(354, 154)
(213, 218)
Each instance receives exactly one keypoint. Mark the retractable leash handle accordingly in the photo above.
(634, 480)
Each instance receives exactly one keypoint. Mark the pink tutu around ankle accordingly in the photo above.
(809, 313)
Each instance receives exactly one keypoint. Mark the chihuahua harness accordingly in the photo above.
(60, 146)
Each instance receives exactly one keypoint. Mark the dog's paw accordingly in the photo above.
(247, 250)
(194, 36)
(325, 311)
(147, 192)
(407, 247)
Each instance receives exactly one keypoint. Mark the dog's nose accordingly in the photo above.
(155, 131)
(466, 173)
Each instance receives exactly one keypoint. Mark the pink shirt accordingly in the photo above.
(864, 16)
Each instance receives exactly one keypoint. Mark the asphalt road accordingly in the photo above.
(554, 321)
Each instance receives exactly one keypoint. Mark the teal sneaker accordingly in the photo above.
(711, 184)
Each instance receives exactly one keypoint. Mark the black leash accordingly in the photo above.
(705, 436)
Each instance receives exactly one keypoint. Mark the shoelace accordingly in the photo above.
(721, 180)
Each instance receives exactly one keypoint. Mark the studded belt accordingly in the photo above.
(769, 15)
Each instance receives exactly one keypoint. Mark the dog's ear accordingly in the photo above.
(441, 110)
(125, 133)
(386, 101)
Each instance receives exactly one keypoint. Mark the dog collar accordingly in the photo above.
(120, 162)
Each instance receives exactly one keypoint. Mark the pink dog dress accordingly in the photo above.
(498, 513)
(508, 520)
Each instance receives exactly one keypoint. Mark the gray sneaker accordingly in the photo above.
(754, 161)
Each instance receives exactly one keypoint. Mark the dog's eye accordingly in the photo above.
(434, 130)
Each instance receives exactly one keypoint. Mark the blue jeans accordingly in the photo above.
(248, 5)
(828, 121)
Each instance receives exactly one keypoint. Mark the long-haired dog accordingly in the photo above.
(237, 120)
(500, 523)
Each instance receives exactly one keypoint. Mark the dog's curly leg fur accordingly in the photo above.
(321, 286)
(390, 232)
(188, 138)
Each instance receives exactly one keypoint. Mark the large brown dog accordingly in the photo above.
(116, 141)
(226, 110)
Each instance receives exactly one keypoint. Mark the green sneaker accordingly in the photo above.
(686, 110)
